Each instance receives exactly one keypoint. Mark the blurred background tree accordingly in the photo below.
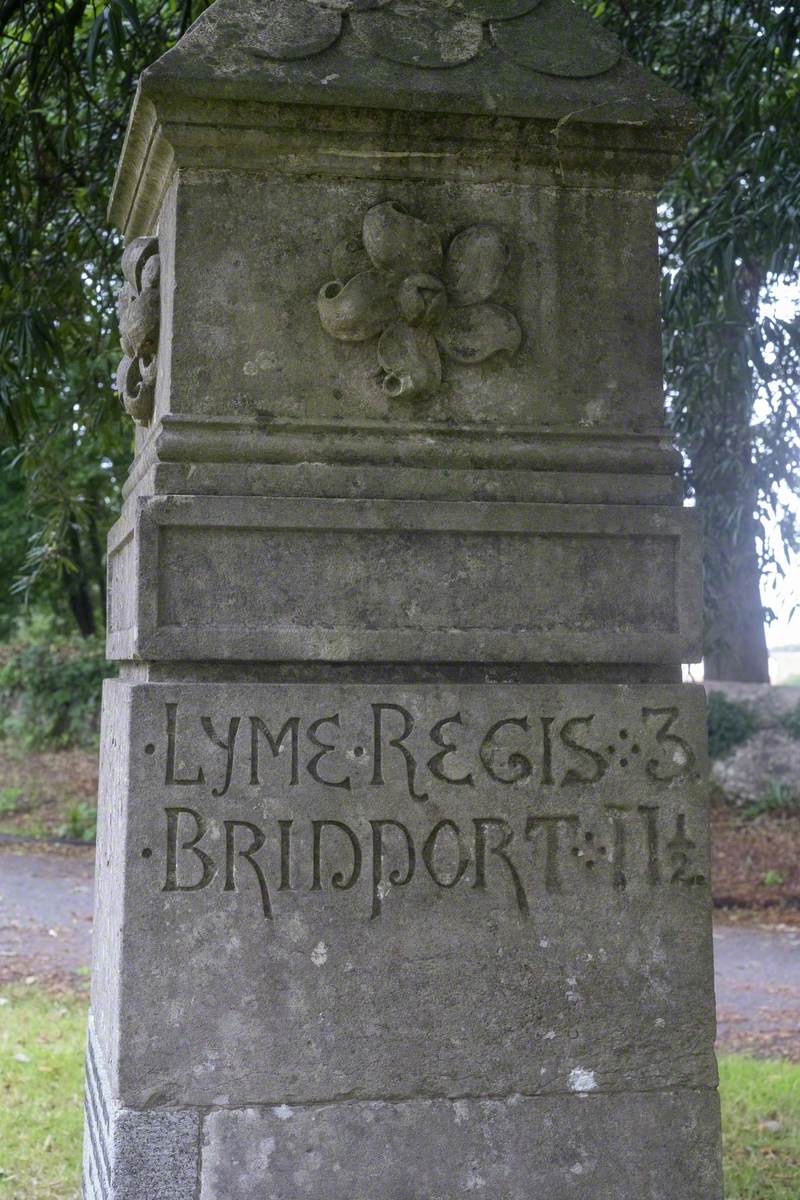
(731, 244)
(731, 238)
(68, 72)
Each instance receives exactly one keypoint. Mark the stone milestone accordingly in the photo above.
(402, 868)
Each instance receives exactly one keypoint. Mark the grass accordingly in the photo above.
(761, 1128)
(41, 1094)
(41, 1085)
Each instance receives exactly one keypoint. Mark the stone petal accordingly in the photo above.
(419, 37)
(137, 388)
(134, 257)
(350, 258)
(399, 243)
(422, 300)
(139, 328)
(475, 263)
(558, 39)
(296, 29)
(411, 362)
(497, 10)
(344, 6)
(151, 273)
(358, 310)
(472, 334)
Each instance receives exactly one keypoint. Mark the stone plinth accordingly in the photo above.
(403, 845)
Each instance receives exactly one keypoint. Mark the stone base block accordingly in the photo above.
(129, 1154)
(579, 1145)
(634, 1146)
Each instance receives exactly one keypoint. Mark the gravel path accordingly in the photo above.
(46, 925)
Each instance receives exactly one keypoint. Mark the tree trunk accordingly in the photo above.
(77, 587)
(736, 645)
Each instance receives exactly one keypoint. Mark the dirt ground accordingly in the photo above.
(38, 790)
(756, 865)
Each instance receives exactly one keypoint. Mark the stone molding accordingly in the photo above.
(184, 133)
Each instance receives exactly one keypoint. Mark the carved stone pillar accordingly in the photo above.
(403, 847)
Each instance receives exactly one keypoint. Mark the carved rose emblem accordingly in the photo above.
(138, 309)
(396, 284)
(552, 36)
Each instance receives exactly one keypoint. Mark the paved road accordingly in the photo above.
(45, 914)
(45, 930)
(758, 989)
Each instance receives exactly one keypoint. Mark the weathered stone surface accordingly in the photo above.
(590, 350)
(448, 892)
(578, 1147)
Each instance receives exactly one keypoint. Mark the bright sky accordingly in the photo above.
(782, 594)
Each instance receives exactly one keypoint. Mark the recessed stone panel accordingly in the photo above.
(259, 579)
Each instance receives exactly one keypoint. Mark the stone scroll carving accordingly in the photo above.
(139, 319)
(554, 37)
(397, 285)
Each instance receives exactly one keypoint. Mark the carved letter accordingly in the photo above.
(600, 764)
(408, 726)
(257, 726)
(616, 814)
(170, 778)
(649, 814)
(547, 750)
(429, 854)
(520, 766)
(209, 866)
(286, 856)
(339, 881)
(324, 748)
(396, 879)
(247, 855)
(680, 848)
(672, 743)
(436, 764)
(551, 825)
(482, 824)
(228, 747)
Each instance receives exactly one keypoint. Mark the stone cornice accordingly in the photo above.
(191, 133)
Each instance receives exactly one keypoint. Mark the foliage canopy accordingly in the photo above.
(730, 237)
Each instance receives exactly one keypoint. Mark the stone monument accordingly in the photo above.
(402, 877)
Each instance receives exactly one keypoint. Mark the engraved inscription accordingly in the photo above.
(386, 802)
(520, 749)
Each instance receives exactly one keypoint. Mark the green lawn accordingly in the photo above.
(41, 1094)
(41, 1083)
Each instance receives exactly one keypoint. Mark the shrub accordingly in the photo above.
(791, 722)
(777, 797)
(81, 823)
(50, 693)
(729, 724)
